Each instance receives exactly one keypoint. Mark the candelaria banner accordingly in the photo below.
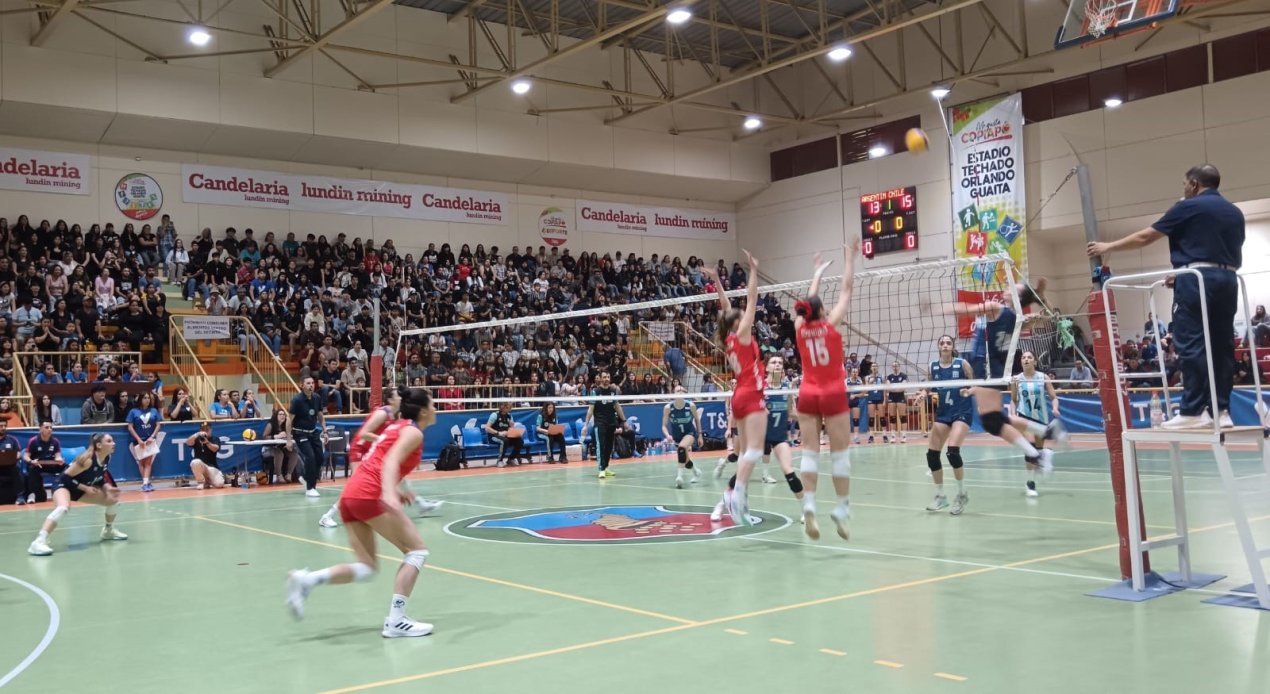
(988, 193)
(615, 218)
(46, 172)
(218, 185)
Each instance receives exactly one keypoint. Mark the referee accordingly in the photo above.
(1205, 232)
(605, 417)
(304, 432)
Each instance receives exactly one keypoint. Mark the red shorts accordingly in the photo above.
(821, 403)
(746, 403)
(360, 510)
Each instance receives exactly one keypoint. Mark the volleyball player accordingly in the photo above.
(681, 425)
(994, 331)
(897, 405)
(822, 397)
(952, 424)
(858, 403)
(87, 479)
(1028, 391)
(366, 435)
(371, 505)
(733, 333)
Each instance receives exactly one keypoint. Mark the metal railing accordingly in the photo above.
(94, 363)
(189, 370)
(239, 344)
(700, 352)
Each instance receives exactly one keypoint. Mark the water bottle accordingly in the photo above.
(1157, 411)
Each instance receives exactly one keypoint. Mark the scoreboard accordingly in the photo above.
(888, 221)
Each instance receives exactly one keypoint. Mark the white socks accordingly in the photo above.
(939, 489)
(961, 486)
(316, 578)
(809, 501)
(42, 537)
(397, 610)
(1028, 449)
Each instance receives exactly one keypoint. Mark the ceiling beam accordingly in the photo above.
(642, 19)
(67, 7)
(324, 39)
(467, 10)
(815, 52)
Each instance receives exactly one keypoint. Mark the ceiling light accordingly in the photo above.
(198, 36)
(878, 151)
(753, 123)
(840, 53)
(679, 15)
(1112, 102)
(940, 92)
(521, 86)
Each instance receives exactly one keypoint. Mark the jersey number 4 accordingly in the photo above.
(817, 351)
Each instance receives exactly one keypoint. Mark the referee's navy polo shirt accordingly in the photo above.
(1207, 228)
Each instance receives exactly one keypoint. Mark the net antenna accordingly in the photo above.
(1100, 15)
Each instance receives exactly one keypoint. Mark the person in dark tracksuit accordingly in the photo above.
(1205, 233)
(304, 432)
(605, 418)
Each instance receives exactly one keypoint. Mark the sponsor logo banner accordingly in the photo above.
(219, 185)
(616, 218)
(46, 172)
(553, 225)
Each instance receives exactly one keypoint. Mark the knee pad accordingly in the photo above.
(841, 463)
(687, 464)
(993, 422)
(56, 514)
(954, 457)
(417, 558)
(362, 572)
(932, 460)
(810, 464)
(683, 455)
(731, 457)
(732, 482)
(752, 455)
(795, 484)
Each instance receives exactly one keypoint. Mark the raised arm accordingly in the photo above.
(818, 271)
(744, 327)
(709, 272)
(839, 311)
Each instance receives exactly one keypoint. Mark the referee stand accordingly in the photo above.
(1141, 582)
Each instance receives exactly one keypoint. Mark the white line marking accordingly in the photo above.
(55, 620)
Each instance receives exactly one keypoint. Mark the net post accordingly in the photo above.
(1105, 343)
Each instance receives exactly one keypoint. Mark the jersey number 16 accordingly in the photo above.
(817, 352)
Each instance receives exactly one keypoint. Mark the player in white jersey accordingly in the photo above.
(1028, 392)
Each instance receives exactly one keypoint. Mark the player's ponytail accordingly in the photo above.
(811, 308)
(727, 322)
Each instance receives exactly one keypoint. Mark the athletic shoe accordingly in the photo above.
(30, 499)
(601, 474)
(1226, 422)
(767, 478)
(718, 469)
(903, 438)
(327, 521)
(609, 473)
(810, 526)
(1046, 461)
(679, 483)
(1031, 489)
(1056, 432)
(696, 476)
(717, 514)
(199, 486)
(840, 516)
(427, 505)
(405, 627)
(297, 592)
(1182, 421)
(854, 439)
(939, 503)
(959, 504)
(870, 438)
(312, 493)
(39, 548)
(738, 508)
(110, 533)
(20, 501)
(147, 487)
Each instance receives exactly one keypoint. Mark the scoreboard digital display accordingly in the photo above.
(888, 221)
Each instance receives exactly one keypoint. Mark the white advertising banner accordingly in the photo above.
(218, 185)
(205, 327)
(46, 172)
(617, 218)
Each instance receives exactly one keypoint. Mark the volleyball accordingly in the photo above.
(916, 141)
(249, 435)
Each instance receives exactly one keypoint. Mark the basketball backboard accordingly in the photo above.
(1094, 20)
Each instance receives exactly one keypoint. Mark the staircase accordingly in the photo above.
(202, 364)
(706, 362)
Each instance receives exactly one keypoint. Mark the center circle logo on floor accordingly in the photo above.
(610, 525)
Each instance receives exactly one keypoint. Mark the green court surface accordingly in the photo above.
(992, 601)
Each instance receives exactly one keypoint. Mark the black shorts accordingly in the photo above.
(72, 486)
(897, 398)
(771, 444)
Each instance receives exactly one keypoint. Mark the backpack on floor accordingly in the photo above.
(709, 443)
(452, 458)
(622, 447)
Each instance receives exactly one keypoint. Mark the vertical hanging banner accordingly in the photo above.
(988, 192)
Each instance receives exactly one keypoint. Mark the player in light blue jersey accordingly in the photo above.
(681, 425)
(1028, 392)
(952, 424)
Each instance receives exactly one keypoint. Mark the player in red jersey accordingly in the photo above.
(369, 506)
(361, 442)
(822, 397)
(748, 410)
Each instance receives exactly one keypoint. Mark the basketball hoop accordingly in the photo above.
(1100, 15)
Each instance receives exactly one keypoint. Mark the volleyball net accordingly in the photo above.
(896, 317)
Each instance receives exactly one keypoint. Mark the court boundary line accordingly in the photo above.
(55, 621)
